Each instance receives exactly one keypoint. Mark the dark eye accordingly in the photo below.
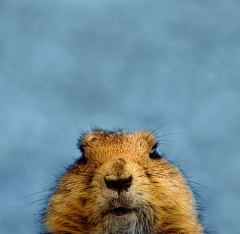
(154, 153)
(82, 159)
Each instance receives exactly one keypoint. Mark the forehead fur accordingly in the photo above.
(118, 140)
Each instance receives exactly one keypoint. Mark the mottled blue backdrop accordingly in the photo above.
(68, 65)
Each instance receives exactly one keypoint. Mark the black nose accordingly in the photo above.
(119, 183)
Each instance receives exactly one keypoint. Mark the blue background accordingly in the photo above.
(68, 65)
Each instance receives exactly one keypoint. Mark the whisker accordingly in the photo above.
(34, 194)
(177, 157)
(165, 123)
(191, 182)
(195, 193)
(30, 203)
(169, 134)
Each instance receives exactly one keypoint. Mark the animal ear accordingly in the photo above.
(147, 136)
(86, 139)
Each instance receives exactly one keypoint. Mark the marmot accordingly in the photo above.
(121, 185)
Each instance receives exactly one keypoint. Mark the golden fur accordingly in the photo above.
(120, 189)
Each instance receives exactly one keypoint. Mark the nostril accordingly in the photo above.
(114, 182)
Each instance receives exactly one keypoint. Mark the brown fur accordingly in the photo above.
(153, 191)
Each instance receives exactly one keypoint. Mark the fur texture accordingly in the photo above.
(121, 185)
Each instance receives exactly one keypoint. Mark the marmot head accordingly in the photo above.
(121, 184)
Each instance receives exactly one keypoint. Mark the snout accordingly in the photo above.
(118, 177)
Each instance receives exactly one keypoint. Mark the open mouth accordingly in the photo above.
(121, 211)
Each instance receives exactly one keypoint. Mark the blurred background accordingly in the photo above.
(66, 66)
